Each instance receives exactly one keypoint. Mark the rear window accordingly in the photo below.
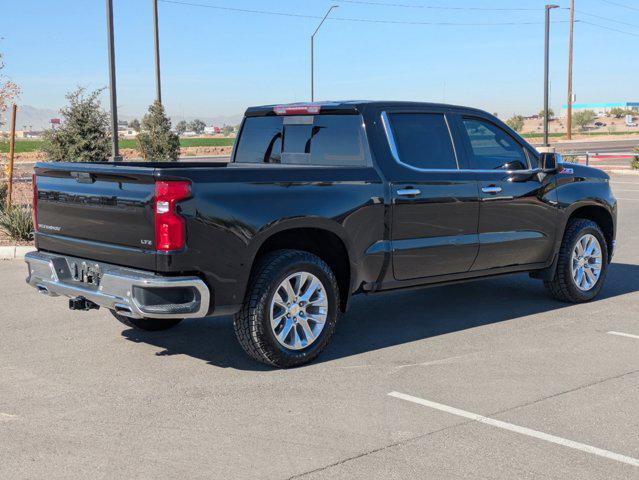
(423, 140)
(323, 140)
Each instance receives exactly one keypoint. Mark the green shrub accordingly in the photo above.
(84, 135)
(156, 141)
(634, 163)
(17, 222)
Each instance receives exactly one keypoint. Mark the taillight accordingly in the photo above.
(35, 203)
(169, 226)
(302, 109)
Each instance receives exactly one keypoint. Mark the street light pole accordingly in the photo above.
(546, 83)
(158, 86)
(115, 154)
(313, 53)
(569, 103)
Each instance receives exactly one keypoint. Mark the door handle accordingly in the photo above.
(491, 189)
(408, 192)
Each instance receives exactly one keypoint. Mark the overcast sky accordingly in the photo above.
(218, 62)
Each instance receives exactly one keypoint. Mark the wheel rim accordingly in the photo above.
(586, 262)
(299, 309)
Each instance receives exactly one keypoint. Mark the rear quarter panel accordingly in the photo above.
(235, 209)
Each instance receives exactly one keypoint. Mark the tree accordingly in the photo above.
(584, 118)
(135, 124)
(181, 127)
(197, 126)
(84, 134)
(228, 130)
(551, 114)
(156, 140)
(516, 122)
(8, 90)
(618, 112)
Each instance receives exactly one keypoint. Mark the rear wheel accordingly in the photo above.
(290, 311)
(582, 263)
(147, 324)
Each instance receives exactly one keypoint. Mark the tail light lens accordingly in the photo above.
(35, 203)
(169, 226)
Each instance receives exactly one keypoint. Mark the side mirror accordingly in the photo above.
(550, 162)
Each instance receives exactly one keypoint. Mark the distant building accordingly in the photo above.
(601, 108)
(211, 130)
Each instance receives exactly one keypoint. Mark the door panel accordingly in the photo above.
(517, 215)
(517, 225)
(435, 232)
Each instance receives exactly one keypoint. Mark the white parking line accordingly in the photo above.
(517, 429)
(630, 199)
(621, 334)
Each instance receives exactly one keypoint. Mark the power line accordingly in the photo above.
(347, 19)
(607, 28)
(620, 5)
(437, 7)
(607, 19)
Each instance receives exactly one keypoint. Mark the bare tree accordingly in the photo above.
(8, 90)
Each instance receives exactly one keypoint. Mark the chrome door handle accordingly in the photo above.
(408, 192)
(491, 189)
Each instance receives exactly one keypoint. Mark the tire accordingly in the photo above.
(563, 286)
(266, 292)
(147, 324)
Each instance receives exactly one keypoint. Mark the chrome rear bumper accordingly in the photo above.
(129, 292)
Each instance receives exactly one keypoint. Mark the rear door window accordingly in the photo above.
(423, 140)
(322, 140)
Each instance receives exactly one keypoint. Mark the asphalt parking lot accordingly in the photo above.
(489, 379)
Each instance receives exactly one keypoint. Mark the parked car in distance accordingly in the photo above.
(600, 124)
(319, 202)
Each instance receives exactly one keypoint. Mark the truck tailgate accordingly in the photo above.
(96, 208)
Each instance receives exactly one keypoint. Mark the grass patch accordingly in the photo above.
(24, 146)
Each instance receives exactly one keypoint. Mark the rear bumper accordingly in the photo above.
(129, 292)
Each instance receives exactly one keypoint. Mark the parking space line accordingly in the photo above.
(631, 199)
(621, 334)
(517, 429)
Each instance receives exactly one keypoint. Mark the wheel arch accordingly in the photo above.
(599, 214)
(326, 240)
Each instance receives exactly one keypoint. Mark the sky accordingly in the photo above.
(218, 61)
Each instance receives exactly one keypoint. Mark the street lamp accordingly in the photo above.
(546, 83)
(312, 52)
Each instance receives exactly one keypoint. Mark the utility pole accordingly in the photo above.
(546, 61)
(158, 86)
(112, 88)
(569, 103)
(313, 53)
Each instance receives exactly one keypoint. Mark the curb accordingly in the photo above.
(12, 252)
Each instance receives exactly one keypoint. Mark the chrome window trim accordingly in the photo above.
(395, 153)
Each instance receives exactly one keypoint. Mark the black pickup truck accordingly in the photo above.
(319, 202)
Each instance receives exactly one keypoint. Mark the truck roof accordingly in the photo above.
(345, 106)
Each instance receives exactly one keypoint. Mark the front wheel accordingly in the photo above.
(290, 311)
(582, 263)
(147, 324)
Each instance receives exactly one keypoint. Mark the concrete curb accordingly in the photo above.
(12, 252)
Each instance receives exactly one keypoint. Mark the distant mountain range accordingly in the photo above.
(33, 118)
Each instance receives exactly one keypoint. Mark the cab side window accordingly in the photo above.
(493, 148)
(423, 140)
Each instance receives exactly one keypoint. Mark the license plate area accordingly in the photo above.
(85, 272)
